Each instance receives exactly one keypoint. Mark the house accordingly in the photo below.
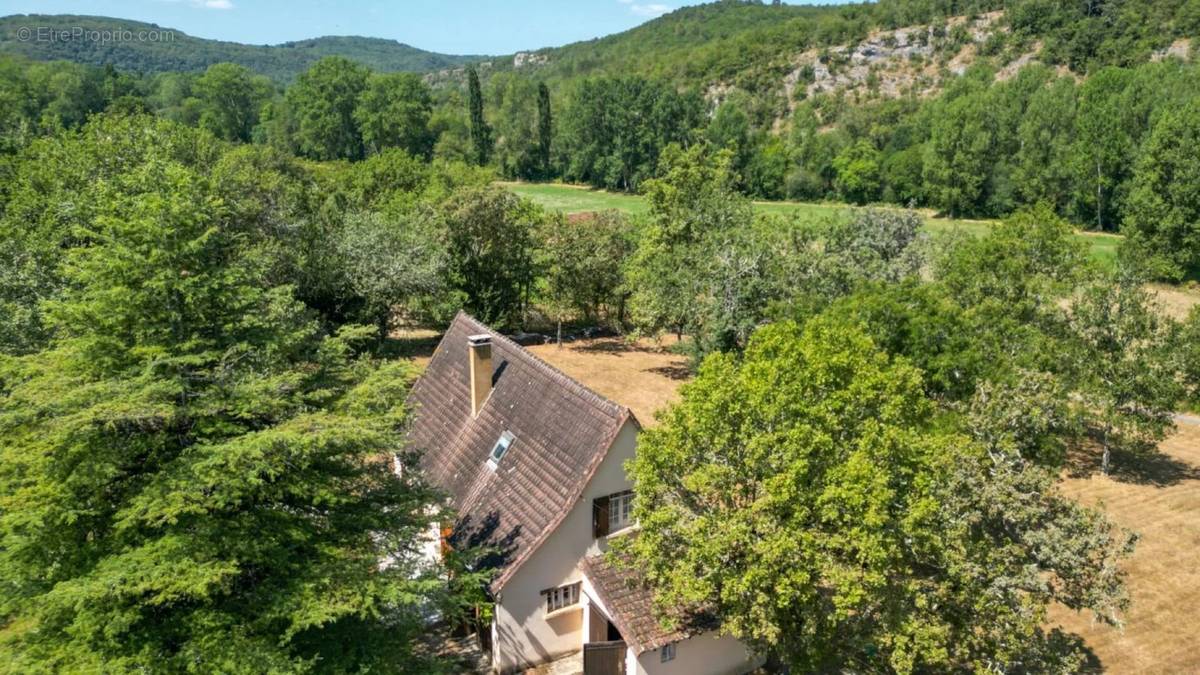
(533, 462)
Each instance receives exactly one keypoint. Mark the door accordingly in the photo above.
(598, 626)
(604, 658)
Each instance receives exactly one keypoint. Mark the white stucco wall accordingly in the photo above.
(706, 654)
(524, 636)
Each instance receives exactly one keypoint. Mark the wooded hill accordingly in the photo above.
(766, 50)
(186, 53)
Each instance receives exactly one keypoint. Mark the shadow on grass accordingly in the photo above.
(1153, 468)
(609, 346)
(672, 372)
(1065, 640)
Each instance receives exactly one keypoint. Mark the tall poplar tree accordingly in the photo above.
(481, 133)
(545, 128)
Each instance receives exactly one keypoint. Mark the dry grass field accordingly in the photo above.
(1176, 301)
(1160, 500)
(642, 376)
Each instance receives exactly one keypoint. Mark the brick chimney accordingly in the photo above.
(480, 347)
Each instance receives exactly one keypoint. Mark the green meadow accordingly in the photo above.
(577, 199)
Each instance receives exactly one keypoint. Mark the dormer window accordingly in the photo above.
(499, 449)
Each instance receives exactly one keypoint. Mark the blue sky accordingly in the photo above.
(454, 27)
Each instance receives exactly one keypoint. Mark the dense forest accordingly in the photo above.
(202, 404)
(1091, 124)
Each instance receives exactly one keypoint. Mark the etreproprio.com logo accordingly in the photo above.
(82, 34)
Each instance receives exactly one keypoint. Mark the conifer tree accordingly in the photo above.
(193, 477)
(481, 133)
(545, 128)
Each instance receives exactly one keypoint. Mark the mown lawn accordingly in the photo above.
(576, 199)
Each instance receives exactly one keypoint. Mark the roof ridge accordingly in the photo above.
(549, 369)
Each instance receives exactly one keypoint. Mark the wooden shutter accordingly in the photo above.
(600, 517)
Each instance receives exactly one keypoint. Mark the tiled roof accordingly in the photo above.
(561, 429)
(630, 601)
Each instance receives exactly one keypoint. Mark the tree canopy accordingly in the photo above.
(196, 476)
(808, 497)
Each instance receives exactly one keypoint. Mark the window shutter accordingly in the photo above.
(600, 517)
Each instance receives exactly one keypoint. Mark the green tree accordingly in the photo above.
(870, 246)
(231, 98)
(1010, 286)
(1042, 170)
(196, 477)
(18, 107)
(584, 258)
(729, 129)
(481, 133)
(453, 133)
(1103, 148)
(1122, 367)
(765, 176)
(491, 251)
(393, 112)
(691, 205)
(615, 129)
(1026, 260)
(67, 93)
(55, 194)
(741, 272)
(858, 173)
(1030, 418)
(805, 496)
(323, 101)
(958, 158)
(545, 122)
(392, 263)
(923, 323)
(515, 125)
(1187, 350)
(1163, 215)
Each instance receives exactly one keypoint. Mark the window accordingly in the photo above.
(667, 653)
(499, 449)
(563, 596)
(611, 513)
(619, 506)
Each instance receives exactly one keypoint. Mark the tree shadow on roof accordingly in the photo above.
(497, 549)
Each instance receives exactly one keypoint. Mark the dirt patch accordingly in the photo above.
(642, 375)
(1164, 572)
